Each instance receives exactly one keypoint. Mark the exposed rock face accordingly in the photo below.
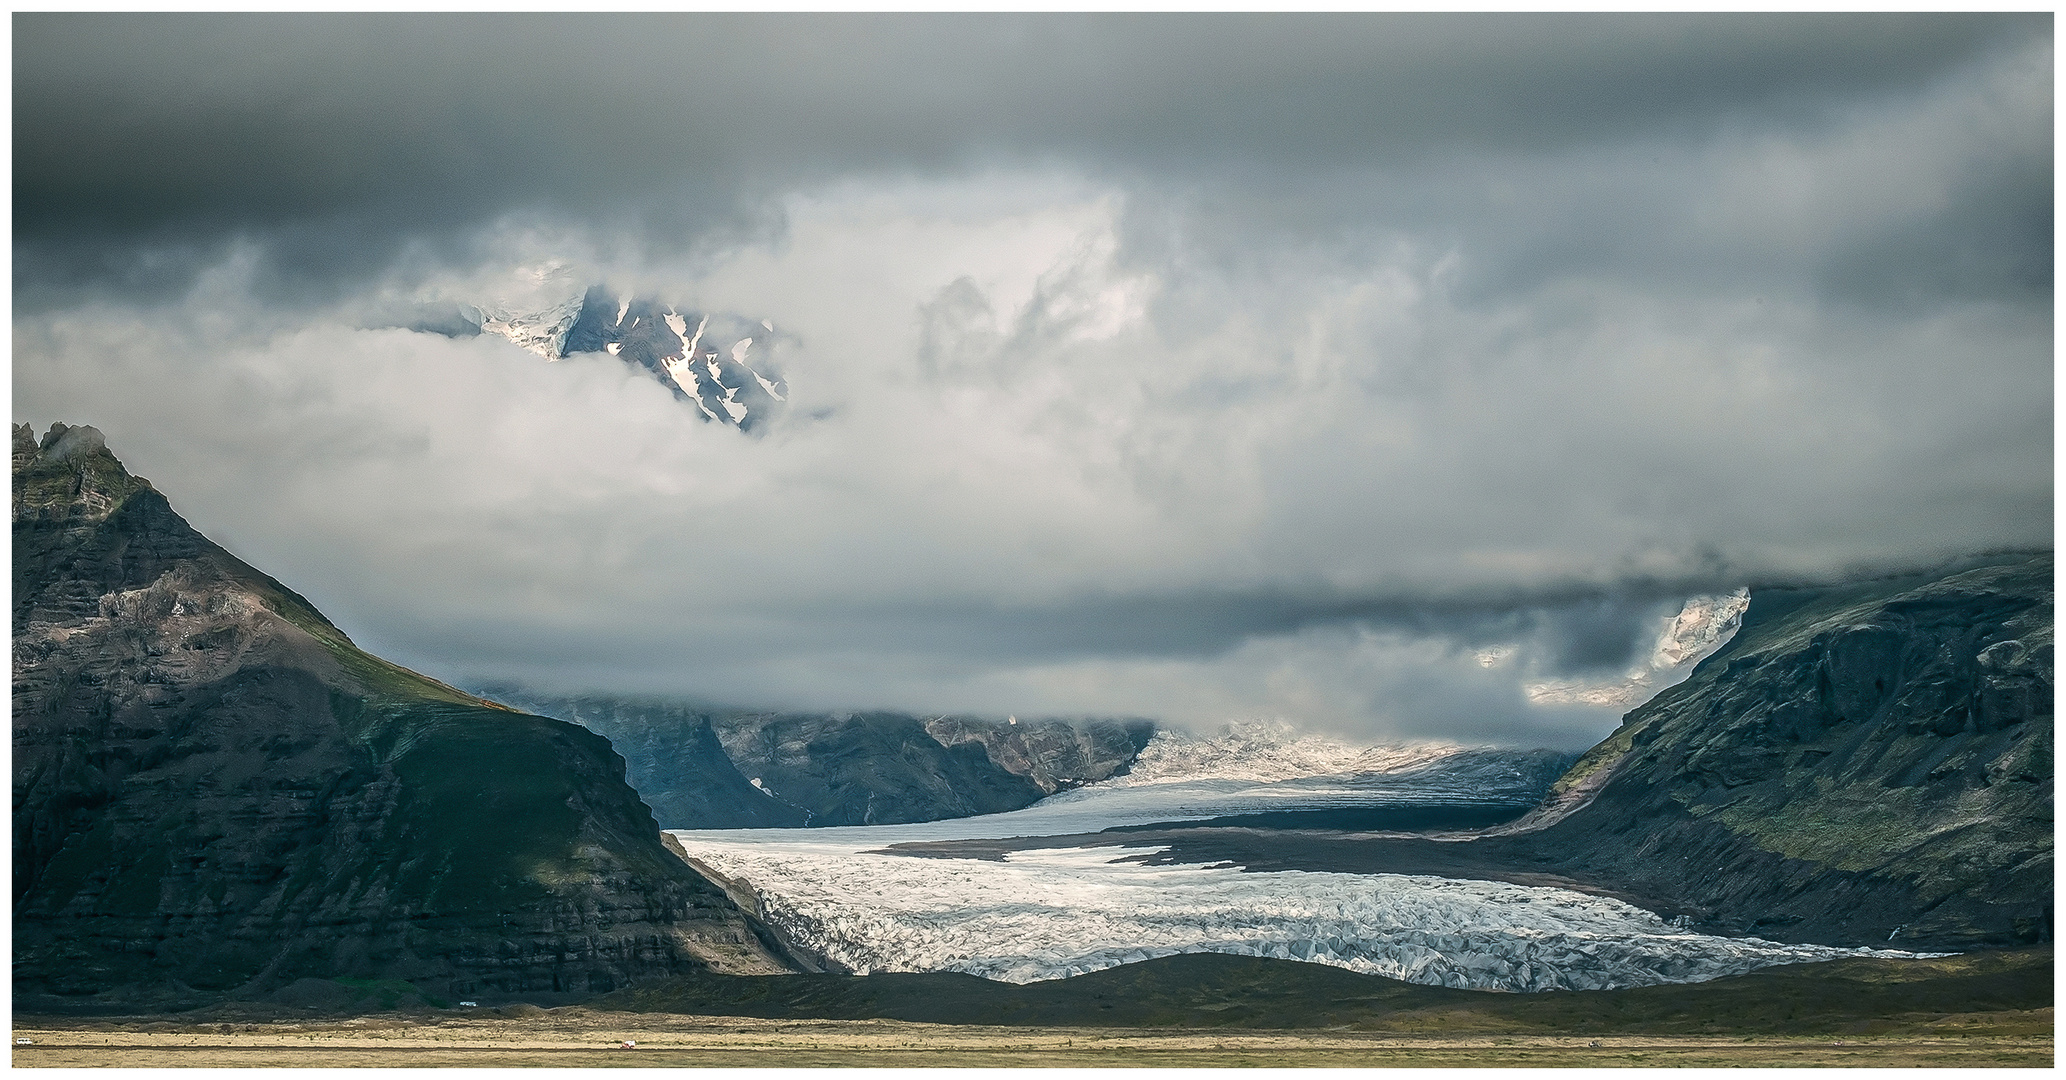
(713, 769)
(1860, 764)
(869, 769)
(215, 791)
(1055, 754)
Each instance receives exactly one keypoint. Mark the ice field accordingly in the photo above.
(1051, 913)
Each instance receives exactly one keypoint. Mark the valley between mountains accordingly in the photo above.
(221, 803)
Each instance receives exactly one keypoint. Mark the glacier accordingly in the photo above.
(1049, 913)
(1053, 913)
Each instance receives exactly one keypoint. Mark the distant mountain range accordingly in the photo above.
(702, 768)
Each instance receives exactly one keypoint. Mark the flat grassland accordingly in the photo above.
(577, 1037)
(1190, 1011)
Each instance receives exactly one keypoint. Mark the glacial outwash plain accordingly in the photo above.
(240, 840)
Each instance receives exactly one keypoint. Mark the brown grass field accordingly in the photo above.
(577, 1037)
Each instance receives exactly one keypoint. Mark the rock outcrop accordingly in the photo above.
(715, 769)
(1055, 754)
(216, 792)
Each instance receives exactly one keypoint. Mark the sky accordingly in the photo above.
(1355, 371)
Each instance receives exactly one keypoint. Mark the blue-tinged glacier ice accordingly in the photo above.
(1050, 913)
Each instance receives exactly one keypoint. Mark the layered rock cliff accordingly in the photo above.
(717, 769)
(215, 791)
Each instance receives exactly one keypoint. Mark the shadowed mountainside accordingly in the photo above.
(718, 769)
(1870, 763)
(215, 791)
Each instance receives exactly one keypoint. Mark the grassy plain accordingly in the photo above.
(1981, 1009)
(577, 1037)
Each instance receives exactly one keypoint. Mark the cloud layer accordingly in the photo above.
(1190, 367)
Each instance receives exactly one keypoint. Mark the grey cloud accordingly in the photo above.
(1200, 367)
(343, 139)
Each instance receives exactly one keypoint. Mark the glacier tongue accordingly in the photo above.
(1048, 914)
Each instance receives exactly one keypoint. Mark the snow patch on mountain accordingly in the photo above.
(542, 332)
(534, 308)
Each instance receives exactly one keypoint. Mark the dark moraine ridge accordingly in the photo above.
(216, 793)
(1862, 764)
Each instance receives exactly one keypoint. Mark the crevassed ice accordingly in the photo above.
(1054, 913)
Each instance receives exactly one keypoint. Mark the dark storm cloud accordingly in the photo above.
(343, 138)
(1361, 370)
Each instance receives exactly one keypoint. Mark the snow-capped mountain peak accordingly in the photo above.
(539, 315)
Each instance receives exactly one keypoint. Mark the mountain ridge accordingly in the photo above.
(707, 768)
(216, 792)
(1863, 763)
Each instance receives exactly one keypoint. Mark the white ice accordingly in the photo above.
(680, 326)
(1051, 913)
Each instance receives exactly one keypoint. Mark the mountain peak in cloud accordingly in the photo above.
(717, 361)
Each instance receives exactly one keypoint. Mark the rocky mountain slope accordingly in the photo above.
(1870, 762)
(215, 791)
(1861, 764)
(705, 358)
(717, 769)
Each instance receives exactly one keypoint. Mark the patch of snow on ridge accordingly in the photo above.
(1262, 752)
(1049, 914)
